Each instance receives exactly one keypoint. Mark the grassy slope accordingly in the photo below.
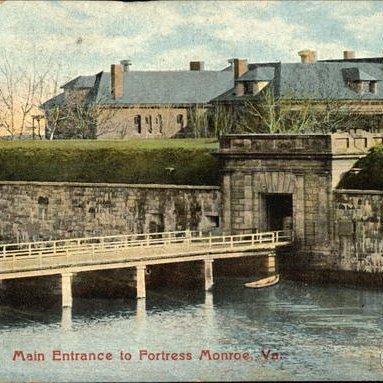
(127, 161)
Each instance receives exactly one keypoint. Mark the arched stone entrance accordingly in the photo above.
(286, 181)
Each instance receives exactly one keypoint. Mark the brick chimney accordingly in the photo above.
(117, 80)
(240, 67)
(308, 56)
(347, 55)
(197, 65)
(126, 64)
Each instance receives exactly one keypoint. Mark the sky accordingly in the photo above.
(85, 37)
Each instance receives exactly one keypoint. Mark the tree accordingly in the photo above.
(283, 114)
(21, 91)
(197, 120)
(74, 116)
(220, 119)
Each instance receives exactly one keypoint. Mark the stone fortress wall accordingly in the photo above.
(32, 211)
(333, 229)
(358, 230)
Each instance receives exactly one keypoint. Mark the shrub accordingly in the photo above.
(126, 161)
(370, 176)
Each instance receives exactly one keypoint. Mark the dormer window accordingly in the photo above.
(360, 81)
(373, 87)
(364, 87)
(248, 87)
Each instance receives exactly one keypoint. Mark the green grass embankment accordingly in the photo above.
(370, 175)
(176, 161)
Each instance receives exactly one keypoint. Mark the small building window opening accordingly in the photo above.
(148, 120)
(248, 87)
(180, 119)
(43, 203)
(373, 87)
(137, 124)
(159, 123)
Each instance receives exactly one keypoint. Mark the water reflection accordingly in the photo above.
(66, 318)
(141, 310)
(324, 331)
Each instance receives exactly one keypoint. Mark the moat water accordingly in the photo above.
(291, 331)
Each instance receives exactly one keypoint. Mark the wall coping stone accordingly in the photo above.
(349, 144)
(112, 185)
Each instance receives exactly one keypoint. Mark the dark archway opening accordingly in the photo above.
(279, 211)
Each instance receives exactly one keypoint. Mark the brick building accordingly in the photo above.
(127, 103)
(155, 104)
(351, 84)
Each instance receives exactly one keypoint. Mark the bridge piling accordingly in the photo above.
(140, 282)
(66, 289)
(66, 318)
(208, 271)
(271, 263)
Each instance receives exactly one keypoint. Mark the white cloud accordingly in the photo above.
(365, 28)
(89, 36)
(179, 58)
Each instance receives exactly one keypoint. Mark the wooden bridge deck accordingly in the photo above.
(18, 260)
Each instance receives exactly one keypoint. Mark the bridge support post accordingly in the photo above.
(66, 317)
(271, 263)
(140, 282)
(208, 271)
(66, 289)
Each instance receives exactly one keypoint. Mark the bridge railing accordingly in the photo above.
(29, 248)
(102, 246)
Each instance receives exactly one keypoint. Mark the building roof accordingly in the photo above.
(181, 87)
(80, 82)
(356, 74)
(152, 87)
(321, 80)
(54, 101)
(260, 73)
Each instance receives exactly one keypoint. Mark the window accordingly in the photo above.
(373, 87)
(43, 203)
(363, 87)
(180, 119)
(148, 120)
(159, 122)
(137, 123)
(248, 87)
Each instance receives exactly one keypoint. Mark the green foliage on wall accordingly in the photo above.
(177, 161)
(367, 173)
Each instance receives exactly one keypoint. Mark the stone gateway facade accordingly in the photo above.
(279, 182)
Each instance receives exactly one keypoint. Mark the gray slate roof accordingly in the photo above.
(325, 80)
(321, 80)
(356, 74)
(260, 73)
(54, 101)
(146, 87)
(182, 87)
(80, 82)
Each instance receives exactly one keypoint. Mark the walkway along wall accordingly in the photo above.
(273, 182)
(32, 211)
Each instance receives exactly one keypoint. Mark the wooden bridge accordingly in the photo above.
(68, 256)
